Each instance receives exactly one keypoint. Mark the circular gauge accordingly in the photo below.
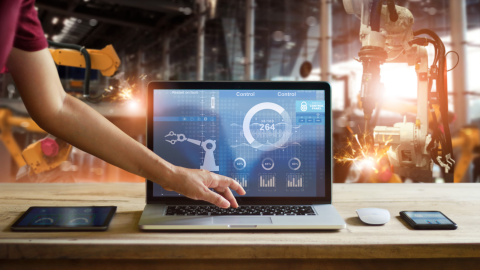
(294, 164)
(79, 221)
(239, 163)
(268, 164)
(44, 221)
(267, 106)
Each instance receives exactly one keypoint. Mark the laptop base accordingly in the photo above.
(327, 218)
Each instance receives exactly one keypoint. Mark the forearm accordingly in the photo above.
(80, 125)
(75, 122)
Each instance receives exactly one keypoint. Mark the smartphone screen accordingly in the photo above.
(428, 218)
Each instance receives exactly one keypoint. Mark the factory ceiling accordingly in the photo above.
(142, 24)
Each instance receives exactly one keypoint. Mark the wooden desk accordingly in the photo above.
(393, 246)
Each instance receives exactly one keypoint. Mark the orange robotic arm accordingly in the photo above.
(105, 60)
(7, 121)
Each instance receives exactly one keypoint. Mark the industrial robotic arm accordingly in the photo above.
(105, 60)
(208, 146)
(384, 35)
(387, 36)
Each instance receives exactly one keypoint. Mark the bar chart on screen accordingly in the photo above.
(242, 179)
(295, 180)
(267, 181)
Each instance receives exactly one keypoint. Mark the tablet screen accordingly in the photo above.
(66, 217)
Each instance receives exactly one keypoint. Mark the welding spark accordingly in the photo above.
(350, 129)
(358, 152)
(125, 94)
(356, 137)
(123, 90)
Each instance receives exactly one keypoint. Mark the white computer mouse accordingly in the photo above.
(373, 216)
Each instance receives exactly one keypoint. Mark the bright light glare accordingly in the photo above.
(365, 163)
(400, 80)
(55, 20)
(132, 104)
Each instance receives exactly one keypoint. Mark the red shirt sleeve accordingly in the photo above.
(8, 24)
(19, 28)
(29, 35)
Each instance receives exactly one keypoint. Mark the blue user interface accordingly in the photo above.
(66, 216)
(428, 218)
(272, 142)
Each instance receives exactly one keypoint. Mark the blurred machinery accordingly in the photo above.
(387, 37)
(46, 155)
(44, 159)
(105, 60)
(7, 122)
(469, 143)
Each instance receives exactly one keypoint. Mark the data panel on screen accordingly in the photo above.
(271, 142)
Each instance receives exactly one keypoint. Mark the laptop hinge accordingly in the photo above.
(242, 203)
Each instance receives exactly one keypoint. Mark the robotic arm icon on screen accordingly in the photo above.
(208, 145)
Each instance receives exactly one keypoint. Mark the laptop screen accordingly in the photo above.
(272, 142)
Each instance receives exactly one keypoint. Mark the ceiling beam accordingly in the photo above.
(72, 5)
(92, 35)
(127, 40)
(64, 12)
(164, 6)
(173, 31)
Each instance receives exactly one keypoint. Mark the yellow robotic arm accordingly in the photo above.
(105, 60)
(7, 121)
(468, 141)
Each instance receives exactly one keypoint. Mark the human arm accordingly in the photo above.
(75, 122)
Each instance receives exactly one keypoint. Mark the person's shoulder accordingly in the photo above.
(29, 36)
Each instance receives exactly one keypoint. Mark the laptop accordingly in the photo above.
(273, 138)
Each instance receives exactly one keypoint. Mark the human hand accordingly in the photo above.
(195, 184)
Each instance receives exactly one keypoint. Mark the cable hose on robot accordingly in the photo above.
(441, 89)
(376, 13)
(88, 67)
(375, 16)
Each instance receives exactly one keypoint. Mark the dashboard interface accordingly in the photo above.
(272, 142)
(428, 218)
(65, 216)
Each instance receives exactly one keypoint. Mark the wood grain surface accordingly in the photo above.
(123, 240)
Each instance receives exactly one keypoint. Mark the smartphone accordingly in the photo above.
(75, 218)
(428, 220)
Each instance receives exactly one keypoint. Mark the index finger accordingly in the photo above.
(224, 181)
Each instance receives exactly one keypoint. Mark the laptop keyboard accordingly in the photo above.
(253, 210)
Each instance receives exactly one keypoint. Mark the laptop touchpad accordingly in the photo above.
(242, 220)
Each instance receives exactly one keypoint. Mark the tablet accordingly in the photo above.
(76, 218)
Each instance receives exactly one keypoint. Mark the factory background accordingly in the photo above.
(266, 40)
